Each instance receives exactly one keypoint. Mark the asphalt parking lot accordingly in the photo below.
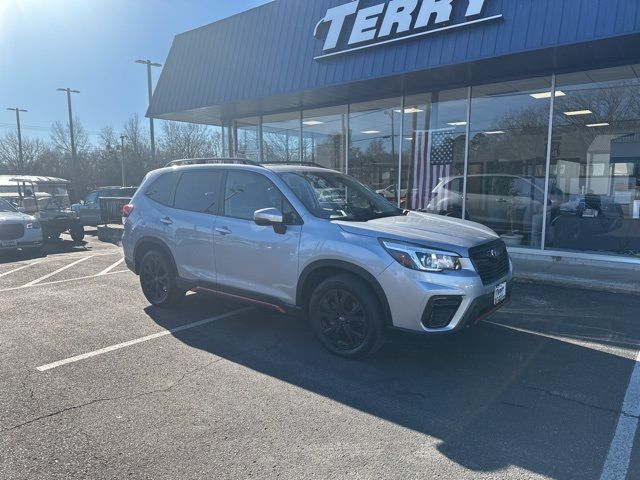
(97, 384)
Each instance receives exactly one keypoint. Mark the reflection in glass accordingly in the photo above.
(323, 137)
(374, 138)
(595, 162)
(507, 159)
(281, 137)
(433, 152)
(247, 138)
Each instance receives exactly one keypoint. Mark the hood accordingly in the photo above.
(436, 231)
(15, 217)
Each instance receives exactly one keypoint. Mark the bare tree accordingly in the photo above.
(189, 140)
(61, 137)
(32, 149)
(137, 150)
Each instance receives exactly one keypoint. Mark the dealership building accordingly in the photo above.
(523, 115)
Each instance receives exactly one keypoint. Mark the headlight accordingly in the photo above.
(422, 259)
(33, 226)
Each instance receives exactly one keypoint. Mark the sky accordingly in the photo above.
(91, 46)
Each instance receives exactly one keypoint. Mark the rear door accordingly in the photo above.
(193, 220)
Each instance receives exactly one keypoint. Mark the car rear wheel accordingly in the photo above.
(77, 233)
(158, 280)
(346, 317)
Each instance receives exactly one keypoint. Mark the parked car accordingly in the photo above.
(391, 193)
(508, 204)
(18, 230)
(355, 265)
(88, 210)
(47, 199)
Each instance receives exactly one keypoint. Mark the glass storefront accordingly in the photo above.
(247, 138)
(595, 162)
(435, 133)
(508, 158)
(490, 154)
(324, 134)
(375, 129)
(281, 138)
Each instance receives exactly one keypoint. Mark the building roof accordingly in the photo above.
(264, 60)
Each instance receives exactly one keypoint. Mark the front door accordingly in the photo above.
(255, 261)
(89, 213)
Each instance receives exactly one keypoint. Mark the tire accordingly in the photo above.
(346, 317)
(158, 280)
(77, 233)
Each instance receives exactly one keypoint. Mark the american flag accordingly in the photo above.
(432, 161)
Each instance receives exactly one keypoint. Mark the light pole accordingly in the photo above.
(20, 159)
(122, 139)
(74, 160)
(150, 64)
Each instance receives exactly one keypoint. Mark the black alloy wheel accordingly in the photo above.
(158, 280)
(343, 320)
(346, 316)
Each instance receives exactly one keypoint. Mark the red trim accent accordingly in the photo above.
(241, 298)
(493, 310)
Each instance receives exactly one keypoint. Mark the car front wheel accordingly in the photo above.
(346, 317)
(158, 280)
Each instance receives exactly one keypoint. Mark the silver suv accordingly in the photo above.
(351, 262)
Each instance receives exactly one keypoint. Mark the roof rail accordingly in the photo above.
(212, 161)
(301, 164)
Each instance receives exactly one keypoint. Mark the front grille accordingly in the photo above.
(11, 231)
(491, 261)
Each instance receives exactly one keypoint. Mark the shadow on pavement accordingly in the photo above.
(493, 396)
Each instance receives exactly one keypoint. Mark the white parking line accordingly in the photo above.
(108, 269)
(18, 269)
(164, 333)
(49, 275)
(616, 466)
(44, 284)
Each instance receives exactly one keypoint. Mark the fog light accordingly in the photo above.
(440, 311)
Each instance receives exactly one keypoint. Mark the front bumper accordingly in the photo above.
(32, 238)
(411, 296)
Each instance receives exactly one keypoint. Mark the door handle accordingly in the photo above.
(166, 221)
(223, 231)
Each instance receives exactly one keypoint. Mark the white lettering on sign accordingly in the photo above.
(366, 25)
(392, 21)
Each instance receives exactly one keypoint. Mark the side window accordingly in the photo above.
(247, 192)
(161, 190)
(455, 185)
(198, 191)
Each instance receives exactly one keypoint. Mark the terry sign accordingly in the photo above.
(391, 21)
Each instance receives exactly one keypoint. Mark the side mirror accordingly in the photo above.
(268, 216)
(20, 209)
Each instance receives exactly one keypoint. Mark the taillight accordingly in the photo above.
(127, 210)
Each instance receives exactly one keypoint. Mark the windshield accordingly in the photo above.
(335, 196)
(6, 206)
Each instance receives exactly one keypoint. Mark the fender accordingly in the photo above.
(350, 267)
(156, 243)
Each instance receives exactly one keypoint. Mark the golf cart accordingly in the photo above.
(47, 199)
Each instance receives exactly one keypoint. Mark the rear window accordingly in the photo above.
(162, 188)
